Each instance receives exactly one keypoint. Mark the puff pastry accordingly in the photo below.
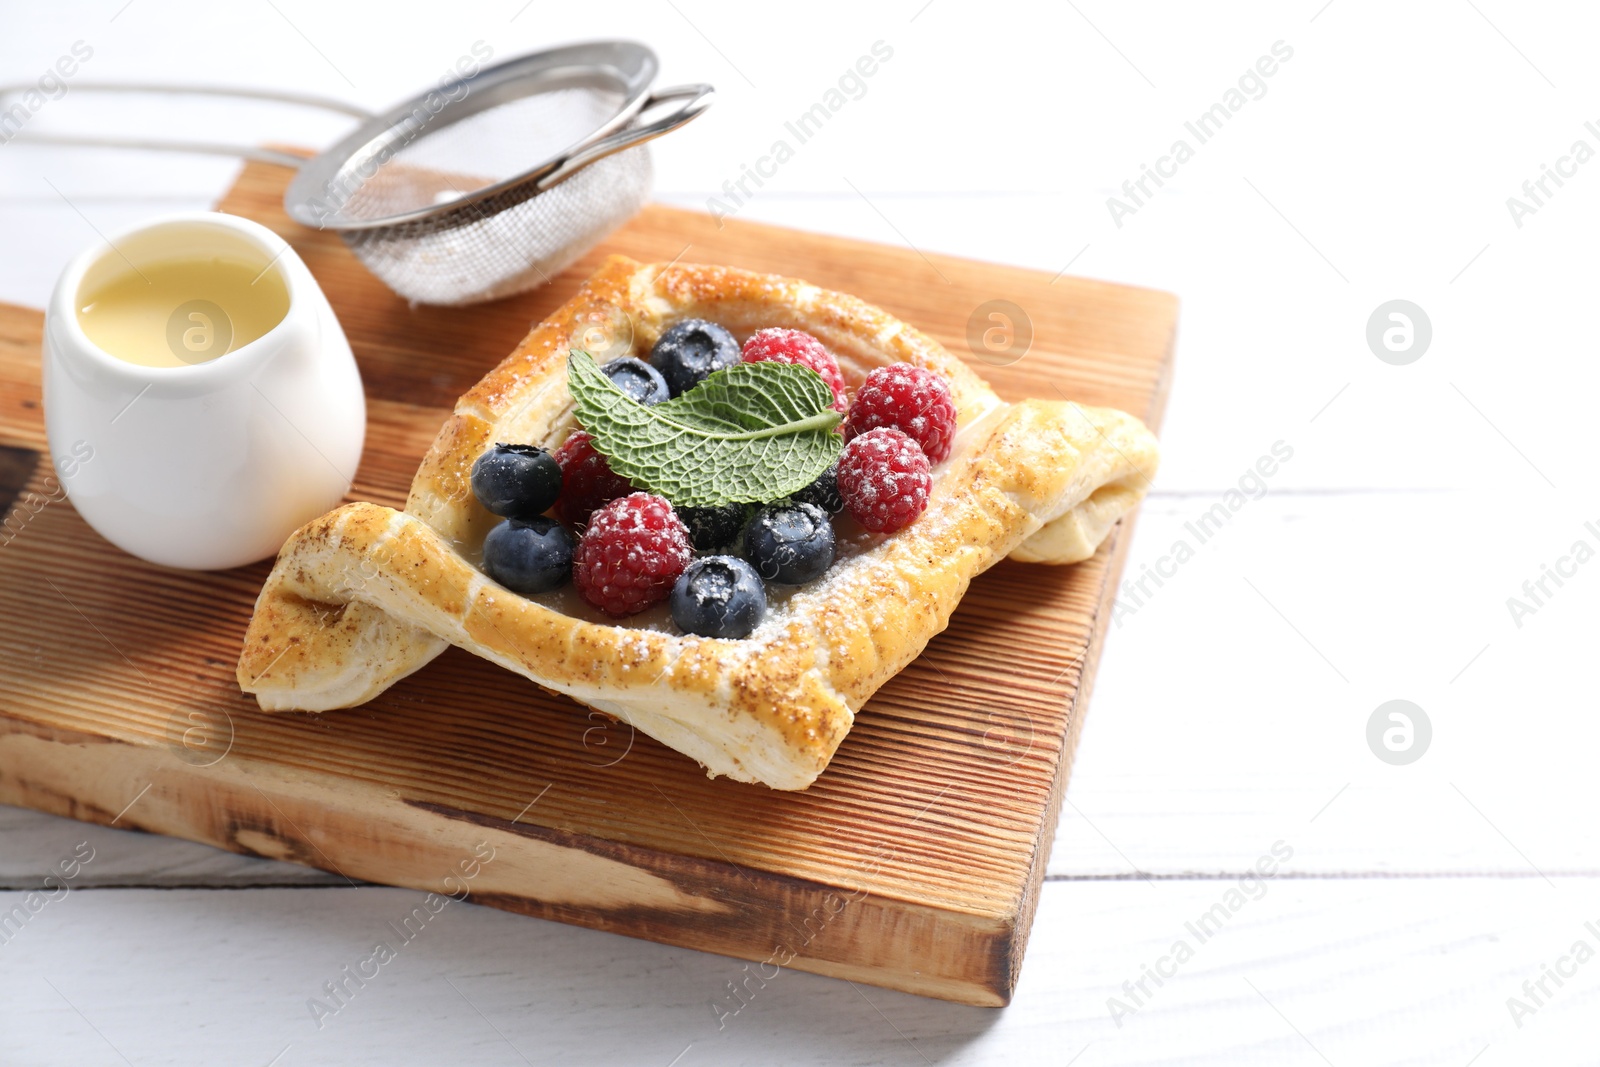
(366, 595)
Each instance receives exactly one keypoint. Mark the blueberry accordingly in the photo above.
(824, 492)
(529, 557)
(718, 596)
(516, 481)
(789, 543)
(690, 350)
(638, 379)
(714, 528)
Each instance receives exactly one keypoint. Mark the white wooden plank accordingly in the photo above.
(1217, 723)
(1388, 971)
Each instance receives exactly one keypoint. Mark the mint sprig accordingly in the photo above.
(748, 434)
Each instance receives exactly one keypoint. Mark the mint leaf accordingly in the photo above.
(748, 434)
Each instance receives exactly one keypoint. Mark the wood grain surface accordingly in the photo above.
(914, 862)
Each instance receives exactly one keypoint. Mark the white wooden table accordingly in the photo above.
(1233, 702)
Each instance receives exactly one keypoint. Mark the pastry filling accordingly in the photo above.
(710, 481)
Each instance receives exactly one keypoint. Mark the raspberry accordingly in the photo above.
(587, 480)
(909, 399)
(631, 554)
(884, 479)
(795, 346)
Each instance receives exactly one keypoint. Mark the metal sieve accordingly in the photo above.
(484, 187)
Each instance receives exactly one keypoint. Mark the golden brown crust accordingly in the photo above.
(365, 595)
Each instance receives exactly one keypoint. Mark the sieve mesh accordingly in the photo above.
(510, 242)
(456, 198)
(506, 244)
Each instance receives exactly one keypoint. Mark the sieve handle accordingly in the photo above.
(694, 99)
(210, 148)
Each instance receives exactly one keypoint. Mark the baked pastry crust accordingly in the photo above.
(365, 595)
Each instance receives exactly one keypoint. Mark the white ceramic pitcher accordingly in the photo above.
(213, 464)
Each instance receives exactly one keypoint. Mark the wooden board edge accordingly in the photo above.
(1116, 560)
(682, 900)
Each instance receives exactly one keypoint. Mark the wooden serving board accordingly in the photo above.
(914, 862)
